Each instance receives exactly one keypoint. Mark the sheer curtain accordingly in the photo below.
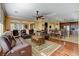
(1, 20)
(1, 28)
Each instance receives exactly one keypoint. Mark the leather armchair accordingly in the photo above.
(24, 35)
(20, 49)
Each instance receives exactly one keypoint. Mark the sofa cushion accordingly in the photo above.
(5, 45)
(8, 33)
(10, 38)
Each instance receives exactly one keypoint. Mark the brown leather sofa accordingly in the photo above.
(20, 49)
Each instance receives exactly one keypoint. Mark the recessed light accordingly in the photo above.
(16, 11)
(77, 9)
(54, 14)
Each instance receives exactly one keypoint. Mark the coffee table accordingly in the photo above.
(39, 40)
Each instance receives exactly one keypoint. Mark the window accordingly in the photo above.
(17, 26)
(1, 21)
(12, 26)
(1, 29)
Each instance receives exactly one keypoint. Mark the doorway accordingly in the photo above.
(46, 26)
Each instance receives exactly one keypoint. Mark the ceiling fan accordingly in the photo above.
(38, 16)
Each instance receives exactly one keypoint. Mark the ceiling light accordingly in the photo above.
(54, 14)
(16, 11)
(77, 9)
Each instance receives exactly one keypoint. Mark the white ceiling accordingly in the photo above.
(51, 11)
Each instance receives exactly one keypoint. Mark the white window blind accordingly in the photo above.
(17, 26)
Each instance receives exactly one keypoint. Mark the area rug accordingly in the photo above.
(45, 49)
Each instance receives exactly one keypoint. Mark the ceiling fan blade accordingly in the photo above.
(37, 16)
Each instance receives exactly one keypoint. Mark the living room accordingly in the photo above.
(39, 30)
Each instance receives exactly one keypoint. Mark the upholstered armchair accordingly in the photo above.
(20, 49)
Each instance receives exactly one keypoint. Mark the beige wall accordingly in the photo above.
(38, 24)
(6, 24)
(5, 20)
(53, 25)
(10, 20)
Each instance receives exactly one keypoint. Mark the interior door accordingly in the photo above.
(46, 27)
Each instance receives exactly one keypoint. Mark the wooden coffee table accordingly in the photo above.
(39, 40)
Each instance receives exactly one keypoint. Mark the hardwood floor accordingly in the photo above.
(67, 48)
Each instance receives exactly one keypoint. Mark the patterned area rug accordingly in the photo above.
(45, 49)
